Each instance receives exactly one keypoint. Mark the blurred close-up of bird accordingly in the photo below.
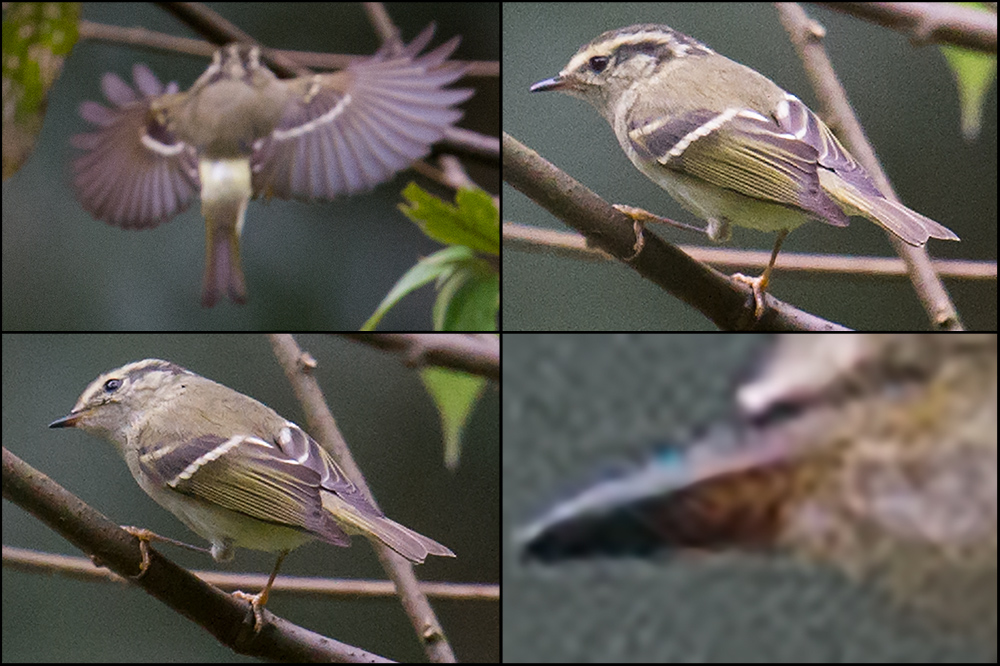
(875, 455)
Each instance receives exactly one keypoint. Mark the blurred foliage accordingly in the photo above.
(37, 36)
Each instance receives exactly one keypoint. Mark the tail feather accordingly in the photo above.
(411, 545)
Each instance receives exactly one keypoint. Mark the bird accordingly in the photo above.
(240, 132)
(878, 458)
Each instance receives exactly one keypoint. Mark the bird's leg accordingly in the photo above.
(759, 284)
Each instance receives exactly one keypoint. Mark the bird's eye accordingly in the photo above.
(598, 64)
(112, 385)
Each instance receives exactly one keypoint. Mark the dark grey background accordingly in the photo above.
(904, 95)
(575, 405)
(308, 265)
(394, 434)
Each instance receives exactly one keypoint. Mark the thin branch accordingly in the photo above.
(298, 367)
(806, 36)
(724, 302)
(529, 238)
(221, 614)
(27, 560)
(475, 353)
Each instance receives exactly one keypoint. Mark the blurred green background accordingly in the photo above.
(904, 96)
(392, 429)
(308, 265)
(576, 407)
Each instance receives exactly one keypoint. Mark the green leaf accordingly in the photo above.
(473, 221)
(468, 285)
(974, 73)
(455, 394)
(469, 291)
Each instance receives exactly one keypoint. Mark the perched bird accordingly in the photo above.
(241, 132)
(881, 461)
(231, 468)
(726, 142)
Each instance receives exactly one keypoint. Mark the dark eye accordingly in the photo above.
(112, 385)
(598, 64)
